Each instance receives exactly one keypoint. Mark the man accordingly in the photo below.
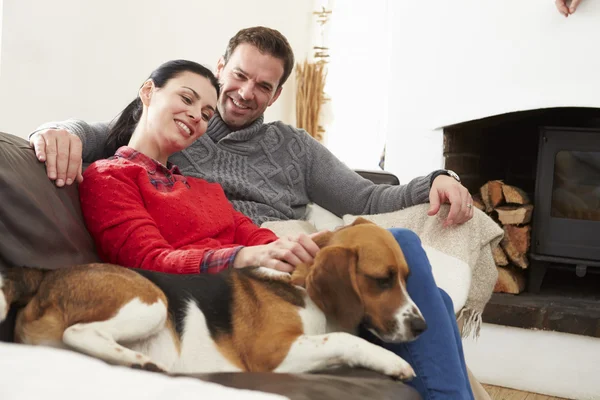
(272, 171)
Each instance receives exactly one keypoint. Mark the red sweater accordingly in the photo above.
(142, 214)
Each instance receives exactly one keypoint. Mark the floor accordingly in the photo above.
(500, 393)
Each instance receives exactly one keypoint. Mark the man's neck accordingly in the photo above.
(218, 128)
(234, 128)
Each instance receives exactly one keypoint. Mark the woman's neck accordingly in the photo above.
(140, 142)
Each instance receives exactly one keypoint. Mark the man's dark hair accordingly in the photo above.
(267, 41)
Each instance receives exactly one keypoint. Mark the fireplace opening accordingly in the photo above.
(552, 156)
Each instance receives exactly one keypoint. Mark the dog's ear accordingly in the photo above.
(299, 275)
(361, 220)
(301, 272)
(323, 239)
(331, 284)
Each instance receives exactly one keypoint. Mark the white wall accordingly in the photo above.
(358, 38)
(1, 8)
(84, 59)
(467, 59)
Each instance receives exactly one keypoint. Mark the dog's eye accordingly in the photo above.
(385, 283)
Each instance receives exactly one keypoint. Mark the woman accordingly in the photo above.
(143, 213)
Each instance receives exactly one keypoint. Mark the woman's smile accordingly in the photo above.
(185, 129)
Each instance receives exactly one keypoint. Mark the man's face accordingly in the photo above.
(249, 84)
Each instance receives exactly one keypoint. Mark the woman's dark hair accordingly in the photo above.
(120, 131)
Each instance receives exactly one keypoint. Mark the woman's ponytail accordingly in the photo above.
(120, 132)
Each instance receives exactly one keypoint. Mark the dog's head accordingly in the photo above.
(359, 275)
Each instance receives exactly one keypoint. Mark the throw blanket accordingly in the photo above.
(471, 242)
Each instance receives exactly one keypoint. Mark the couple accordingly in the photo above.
(145, 212)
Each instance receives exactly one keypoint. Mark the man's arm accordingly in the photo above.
(93, 136)
(63, 145)
(334, 186)
(331, 184)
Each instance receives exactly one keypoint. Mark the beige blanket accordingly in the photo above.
(471, 242)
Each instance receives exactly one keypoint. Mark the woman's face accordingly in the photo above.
(178, 113)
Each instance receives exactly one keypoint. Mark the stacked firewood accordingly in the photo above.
(511, 208)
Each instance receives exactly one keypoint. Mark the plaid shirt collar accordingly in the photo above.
(163, 178)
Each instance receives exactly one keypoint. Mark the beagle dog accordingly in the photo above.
(251, 319)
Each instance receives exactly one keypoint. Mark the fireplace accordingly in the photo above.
(544, 152)
(548, 153)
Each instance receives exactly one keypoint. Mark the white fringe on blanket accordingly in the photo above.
(471, 322)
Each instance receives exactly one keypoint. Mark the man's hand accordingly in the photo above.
(283, 254)
(565, 8)
(446, 189)
(61, 151)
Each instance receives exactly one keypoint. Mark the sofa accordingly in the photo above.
(42, 226)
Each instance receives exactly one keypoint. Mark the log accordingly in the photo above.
(514, 195)
(492, 195)
(515, 244)
(485, 197)
(478, 203)
(499, 256)
(495, 192)
(510, 280)
(515, 215)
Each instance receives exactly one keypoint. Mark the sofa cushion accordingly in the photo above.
(40, 225)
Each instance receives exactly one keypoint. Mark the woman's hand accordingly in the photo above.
(283, 254)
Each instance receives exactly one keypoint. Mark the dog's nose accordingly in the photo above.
(418, 326)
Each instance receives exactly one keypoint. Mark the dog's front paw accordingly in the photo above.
(402, 371)
(149, 366)
(381, 360)
(395, 367)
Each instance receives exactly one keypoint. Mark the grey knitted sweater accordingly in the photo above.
(272, 171)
